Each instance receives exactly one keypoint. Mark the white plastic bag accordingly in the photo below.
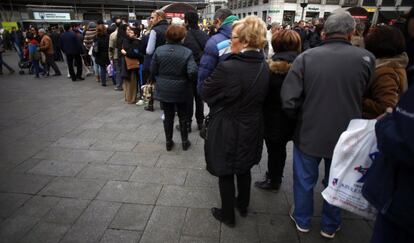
(353, 156)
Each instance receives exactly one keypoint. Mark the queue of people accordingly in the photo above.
(262, 86)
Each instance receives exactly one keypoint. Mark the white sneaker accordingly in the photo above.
(300, 229)
(140, 102)
(163, 116)
(330, 235)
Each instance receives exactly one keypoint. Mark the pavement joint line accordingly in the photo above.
(182, 226)
(149, 217)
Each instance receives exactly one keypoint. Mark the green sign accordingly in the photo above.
(9, 25)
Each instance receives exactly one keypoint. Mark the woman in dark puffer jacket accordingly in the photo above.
(278, 127)
(175, 70)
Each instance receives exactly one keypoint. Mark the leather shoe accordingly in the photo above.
(268, 185)
(218, 214)
(186, 145)
(169, 145)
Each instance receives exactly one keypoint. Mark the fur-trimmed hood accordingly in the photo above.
(281, 63)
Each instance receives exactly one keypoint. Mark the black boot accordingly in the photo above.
(267, 184)
(184, 135)
(168, 129)
(218, 214)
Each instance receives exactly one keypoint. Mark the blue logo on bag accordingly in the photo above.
(364, 170)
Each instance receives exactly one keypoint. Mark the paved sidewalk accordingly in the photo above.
(79, 165)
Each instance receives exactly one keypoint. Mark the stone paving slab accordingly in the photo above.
(200, 223)
(110, 172)
(45, 233)
(133, 158)
(10, 202)
(66, 211)
(124, 236)
(164, 225)
(159, 176)
(132, 217)
(23, 183)
(129, 192)
(14, 228)
(92, 224)
(76, 155)
(57, 168)
(73, 187)
(193, 197)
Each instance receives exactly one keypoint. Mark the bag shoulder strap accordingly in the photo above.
(243, 93)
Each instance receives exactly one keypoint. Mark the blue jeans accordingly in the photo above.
(305, 177)
(37, 68)
(102, 73)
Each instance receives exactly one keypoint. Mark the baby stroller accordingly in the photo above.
(25, 63)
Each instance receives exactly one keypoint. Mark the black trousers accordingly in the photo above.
(50, 62)
(199, 107)
(169, 112)
(227, 193)
(276, 159)
(78, 63)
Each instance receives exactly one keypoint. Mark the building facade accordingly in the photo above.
(290, 11)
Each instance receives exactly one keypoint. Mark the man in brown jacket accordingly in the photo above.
(46, 46)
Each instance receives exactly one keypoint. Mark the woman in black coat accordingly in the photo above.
(100, 51)
(130, 49)
(235, 93)
(279, 127)
(175, 70)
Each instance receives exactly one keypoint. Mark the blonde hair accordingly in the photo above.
(252, 31)
(159, 13)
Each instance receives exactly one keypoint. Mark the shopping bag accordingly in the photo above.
(110, 69)
(353, 155)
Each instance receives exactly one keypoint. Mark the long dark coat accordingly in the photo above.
(278, 126)
(235, 135)
(102, 57)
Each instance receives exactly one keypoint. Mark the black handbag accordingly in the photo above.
(210, 116)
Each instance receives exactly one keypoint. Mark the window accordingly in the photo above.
(249, 13)
(264, 16)
(332, 2)
(265, 1)
(216, 8)
(290, 1)
(314, 1)
(388, 2)
(349, 3)
(326, 15)
(370, 3)
(256, 2)
(255, 13)
(249, 3)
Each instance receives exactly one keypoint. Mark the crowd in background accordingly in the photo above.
(263, 84)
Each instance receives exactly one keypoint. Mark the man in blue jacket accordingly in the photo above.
(72, 48)
(217, 48)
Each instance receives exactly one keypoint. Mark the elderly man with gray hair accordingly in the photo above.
(46, 46)
(323, 91)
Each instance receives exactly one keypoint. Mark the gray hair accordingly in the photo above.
(275, 24)
(222, 14)
(41, 31)
(340, 22)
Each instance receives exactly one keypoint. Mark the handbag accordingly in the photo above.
(131, 63)
(210, 116)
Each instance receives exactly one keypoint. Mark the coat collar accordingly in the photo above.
(249, 56)
(162, 22)
(399, 61)
(288, 56)
(335, 40)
